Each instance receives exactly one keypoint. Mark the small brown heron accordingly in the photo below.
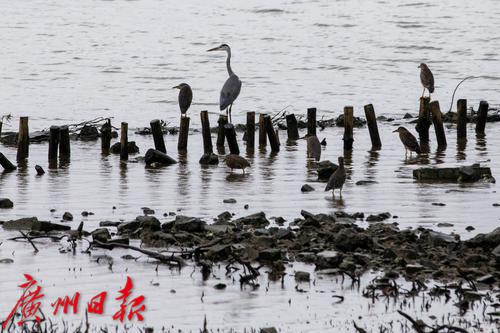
(313, 147)
(337, 179)
(232, 86)
(426, 78)
(408, 140)
(234, 161)
(185, 97)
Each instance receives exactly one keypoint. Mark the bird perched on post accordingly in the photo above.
(337, 179)
(232, 86)
(426, 78)
(234, 161)
(408, 140)
(185, 97)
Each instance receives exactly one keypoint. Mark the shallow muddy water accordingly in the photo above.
(64, 63)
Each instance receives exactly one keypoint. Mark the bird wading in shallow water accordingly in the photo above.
(234, 161)
(232, 86)
(185, 97)
(426, 78)
(408, 140)
(337, 179)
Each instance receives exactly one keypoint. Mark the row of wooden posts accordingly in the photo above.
(430, 113)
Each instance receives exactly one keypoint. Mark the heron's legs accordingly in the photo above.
(341, 192)
(333, 193)
(230, 107)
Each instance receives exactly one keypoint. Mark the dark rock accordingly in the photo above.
(445, 225)
(350, 239)
(48, 226)
(131, 146)
(358, 122)
(246, 206)
(158, 239)
(128, 227)
(189, 224)
(88, 133)
(218, 252)
(220, 286)
(218, 228)
(325, 170)
(407, 116)
(148, 223)
(366, 182)
(209, 159)
(307, 188)
(328, 259)
(302, 276)
(378, 218)
(268, 330)
(414, 268)
(109, 224)
(485, 241)
(257, 220)
(148, 211)
(438, 204)
(67, 216)
(269, 255)
(471, 173)
(39, 170)
(224, 217)
(470, 228)
(25, 223)
(101, 235)
(284, 234)
(230, 200)
(279, 220)
(6, 261)
(6, 203)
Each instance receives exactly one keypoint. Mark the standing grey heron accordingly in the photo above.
(185, 97)
(426, 78)
(232, 86)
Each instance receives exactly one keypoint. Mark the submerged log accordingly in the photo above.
(471, 173)
(156, 156)
(292, 127)
(6, 164)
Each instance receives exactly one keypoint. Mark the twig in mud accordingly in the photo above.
(357, 328)
(29, 240)
(169, 260)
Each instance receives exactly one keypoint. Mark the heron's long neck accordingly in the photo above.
(228, 62)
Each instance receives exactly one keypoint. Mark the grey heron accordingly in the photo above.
(232, 86)
(185, 97)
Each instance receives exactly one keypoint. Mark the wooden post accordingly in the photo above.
(437, 120)
(230, 135)
(6, 164)
(271, 134)
(424, 120)
(106, 137)
(372, 127)
(64, 143)
(158, 135)
(183, 134)
(311, 121)
(205, 132)
(278, 136)
(1, 124)
(23, 140)
(39, 170)
(250, 131)
(53, 143)
(220, 132)
(262, 131)
(124, 142)
(482, 114)
(462, 119)
(156, 156)
(292, 129)
(348, 127)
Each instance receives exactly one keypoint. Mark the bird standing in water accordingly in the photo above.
(234, 161)
(232, 86)
(337, 179)
(409, 140)
(426, 78)
(185, 97)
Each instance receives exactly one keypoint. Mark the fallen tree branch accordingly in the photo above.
(29, 240)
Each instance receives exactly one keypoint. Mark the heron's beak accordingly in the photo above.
(394, 131)
(176, 87)
(214, 49)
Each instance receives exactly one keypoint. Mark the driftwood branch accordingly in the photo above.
(29, 240)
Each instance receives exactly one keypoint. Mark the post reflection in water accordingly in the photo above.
(481, 145)
(439, 155)
(461, 147)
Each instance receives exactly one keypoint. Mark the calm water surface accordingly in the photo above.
(65, 63)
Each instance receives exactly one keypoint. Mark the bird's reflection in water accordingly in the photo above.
(373, 156)
(336, 202)
(235, 177)
(424, 147)
(461, 146)
(440, 155)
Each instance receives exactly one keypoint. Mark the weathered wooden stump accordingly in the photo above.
(158, 135)
(183, 134)
(371, 120)
(311, 121)
(482, 115)
(437, 120)
(39, 170)
(1, 124)
(424, 120)
(6, 164)
(462, 120)
(64, 143)
(23, 140)
(106, 137)
(156, 156)
(208, 156)
(271, 134)
(348, 127)
(124, 142)
(250, 131)
(262, 131)
(53, 143)
(292, 128)
(232, 142)
(220, 132)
